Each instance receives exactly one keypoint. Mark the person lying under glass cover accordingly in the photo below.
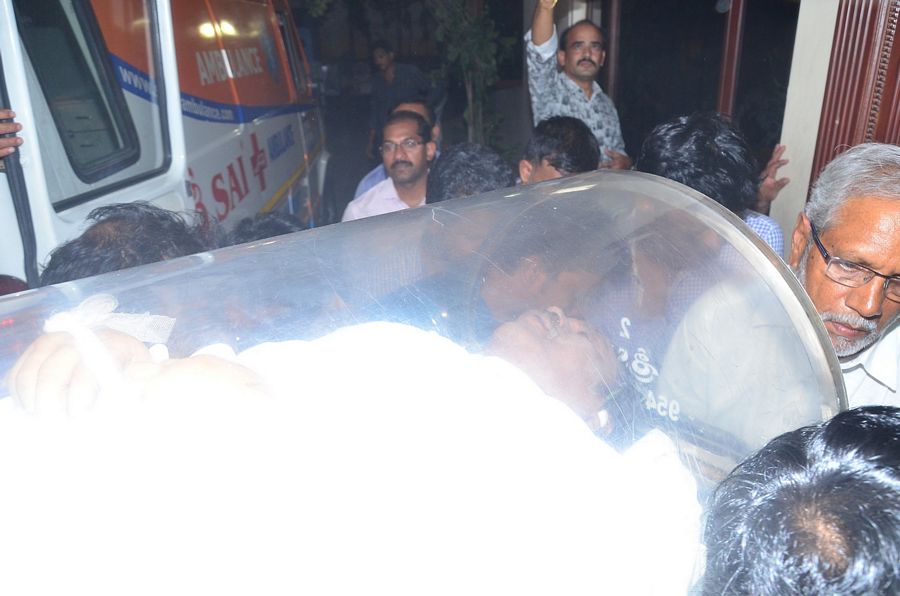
(515, 392)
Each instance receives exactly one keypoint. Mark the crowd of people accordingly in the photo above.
(815, 511)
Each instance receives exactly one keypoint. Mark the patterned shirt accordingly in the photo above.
(553, 93)
(766, 228)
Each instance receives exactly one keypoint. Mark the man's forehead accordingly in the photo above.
(402, 129)
(870, 213)
(866, 229)
(583, 32)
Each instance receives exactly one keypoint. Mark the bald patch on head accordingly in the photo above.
(821, 537)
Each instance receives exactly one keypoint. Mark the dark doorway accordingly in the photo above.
(670, 60)
(769, 30)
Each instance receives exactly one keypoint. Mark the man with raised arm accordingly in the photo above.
(572, 91)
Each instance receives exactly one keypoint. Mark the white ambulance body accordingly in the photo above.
(192, 104)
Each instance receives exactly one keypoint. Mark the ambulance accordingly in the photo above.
(190, 104)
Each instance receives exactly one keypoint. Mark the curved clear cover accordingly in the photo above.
(692, 326)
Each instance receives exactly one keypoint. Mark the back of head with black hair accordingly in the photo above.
(127, 235)
(423, 128)
(566, 143)
(467, 169)
(264, 225)
(560, 238)
(703, 151)
(383, 45)
(816, 511)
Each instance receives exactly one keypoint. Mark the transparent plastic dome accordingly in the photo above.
(644, 307)
(714, 340)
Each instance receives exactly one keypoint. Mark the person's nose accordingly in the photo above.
(557, 317)
(868, 299)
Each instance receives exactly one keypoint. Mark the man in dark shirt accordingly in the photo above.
(393, 81)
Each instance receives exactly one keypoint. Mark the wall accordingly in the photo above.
(806, 89)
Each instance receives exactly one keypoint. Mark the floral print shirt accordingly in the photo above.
(553, 93)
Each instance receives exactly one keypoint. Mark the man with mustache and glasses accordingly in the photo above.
(573, 90)
(846, 253)
(421, 107)
(406, 152)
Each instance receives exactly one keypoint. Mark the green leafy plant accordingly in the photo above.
(473, 48)
(317, 8)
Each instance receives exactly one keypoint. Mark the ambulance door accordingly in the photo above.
(93, 82)
(310, 204)
(216, 156)
(264, 95)
(244, 148)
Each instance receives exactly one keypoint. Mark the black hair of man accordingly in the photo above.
(565, 34)
(467, 169)
(423, 129)
(382, 45)
(706, 152)
(264, 225)
(418, 100)
(558, 237)
(816, 511)
(566, 143)
(127, 235)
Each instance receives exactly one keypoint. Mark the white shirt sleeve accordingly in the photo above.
(351, 211)
(547, 49)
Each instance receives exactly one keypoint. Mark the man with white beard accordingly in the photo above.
(845, 250)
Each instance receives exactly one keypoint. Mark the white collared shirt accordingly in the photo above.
(381, 198)
(872, 377)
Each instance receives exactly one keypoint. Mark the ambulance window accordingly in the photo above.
(73, 68)
(294, 54)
